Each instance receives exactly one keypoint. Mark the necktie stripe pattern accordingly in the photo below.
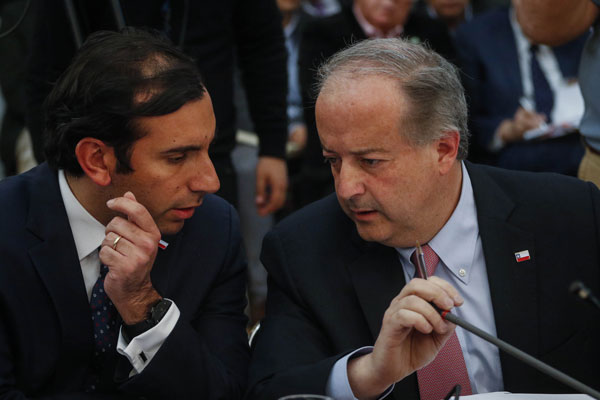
(448, 368)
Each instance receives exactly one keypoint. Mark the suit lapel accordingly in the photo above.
(356, 32)
(377, 277)
(54, 256)
(164, 258)
(513, 285)
(505, 48)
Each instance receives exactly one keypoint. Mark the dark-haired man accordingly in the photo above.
(89, 304)
(345, 314)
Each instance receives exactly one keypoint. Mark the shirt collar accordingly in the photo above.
(370, 30)
(523, 43)
(461, 227)
(88, 233)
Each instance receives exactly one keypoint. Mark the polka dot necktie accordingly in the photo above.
(448, 368)
(104, 319)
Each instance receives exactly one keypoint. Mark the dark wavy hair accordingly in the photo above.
(115, 78)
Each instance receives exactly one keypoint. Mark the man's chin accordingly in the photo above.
(170, 227)
(369, 234)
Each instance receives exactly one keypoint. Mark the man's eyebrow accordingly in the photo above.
(182, 149)
(361, 152)
(369, 151)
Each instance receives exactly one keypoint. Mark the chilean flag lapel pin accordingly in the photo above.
(522, 256)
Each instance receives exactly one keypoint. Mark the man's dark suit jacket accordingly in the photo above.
(329, 289)
(322, 38)
(488, 57)
(46, 342)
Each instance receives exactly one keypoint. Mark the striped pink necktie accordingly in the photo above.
(448, 368)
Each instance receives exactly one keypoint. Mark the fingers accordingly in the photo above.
(261, 186)
(435, 290)
(526, 119)
(414, 319)
(139, 233)
(271, 184)
(110, 256)
(130, 196)
(135, 212)
(414, 312)
(412, 307)
(121, 246)
(274, 201)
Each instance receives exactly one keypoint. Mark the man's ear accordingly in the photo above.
(96, 159)
(447, 150)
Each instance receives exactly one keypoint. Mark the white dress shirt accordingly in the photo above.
(548, 64)
(545, 58)
(466, 271)
(88, 234)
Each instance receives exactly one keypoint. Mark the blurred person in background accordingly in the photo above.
(555, 22)
(516, 86)
(15, 147)
(455, 12)
(451, 12)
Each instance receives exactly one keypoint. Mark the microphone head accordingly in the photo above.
(579, 290)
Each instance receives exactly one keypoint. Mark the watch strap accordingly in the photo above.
(156, 314)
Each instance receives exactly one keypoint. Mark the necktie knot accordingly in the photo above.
(431, 260)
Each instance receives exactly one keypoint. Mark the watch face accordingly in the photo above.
(159, 310)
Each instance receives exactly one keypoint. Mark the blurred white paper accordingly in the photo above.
(566, 113)
(568, 105)
(526, 396)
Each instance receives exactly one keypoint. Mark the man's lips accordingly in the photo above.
(185, 212)
(363, 214)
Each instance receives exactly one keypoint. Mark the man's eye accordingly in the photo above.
(176, 159)
(330, 160)
(370, 162)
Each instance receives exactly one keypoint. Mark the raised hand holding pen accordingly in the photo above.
(412, 334)
(129, 250)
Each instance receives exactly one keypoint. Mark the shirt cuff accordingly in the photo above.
(338, 385)
(144, 347)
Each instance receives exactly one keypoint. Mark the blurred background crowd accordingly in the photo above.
(259, 60)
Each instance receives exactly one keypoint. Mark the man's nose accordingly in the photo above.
(205, 177)
(349, 182)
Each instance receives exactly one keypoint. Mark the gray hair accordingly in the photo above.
(431, 84)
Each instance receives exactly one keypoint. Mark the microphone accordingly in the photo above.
(584, 293)
(520, 355)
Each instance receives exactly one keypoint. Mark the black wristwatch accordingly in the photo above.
(156, 314)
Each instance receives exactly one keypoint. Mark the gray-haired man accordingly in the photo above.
(345, 316)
